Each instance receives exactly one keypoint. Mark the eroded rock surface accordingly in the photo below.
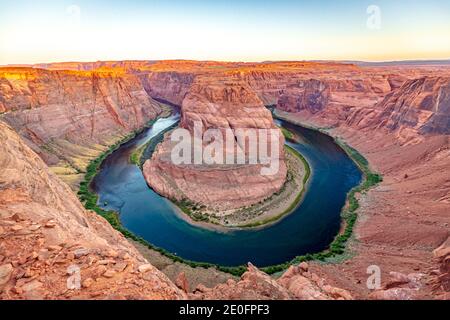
(51, 248)
(296, 284)
(421, 104)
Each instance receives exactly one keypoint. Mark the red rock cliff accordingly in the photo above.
(80, 107)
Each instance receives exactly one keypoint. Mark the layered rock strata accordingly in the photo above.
(70, 117)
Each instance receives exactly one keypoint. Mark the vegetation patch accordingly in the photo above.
(298, 198)
(287, 134)
(135, 157)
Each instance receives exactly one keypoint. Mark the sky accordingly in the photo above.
(231, 30)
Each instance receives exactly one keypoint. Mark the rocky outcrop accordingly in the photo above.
(295, 284)
(227, 106)
(399, 287)
(442, 280)
(51, 248)
(422, 105)
(311, 95)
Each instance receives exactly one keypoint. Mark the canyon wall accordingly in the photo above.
(422, 105)
(168, 86)
(334, 99)
(312, 95)
(414, 113)
(70, 117)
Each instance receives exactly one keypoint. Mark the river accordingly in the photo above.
(310, 228)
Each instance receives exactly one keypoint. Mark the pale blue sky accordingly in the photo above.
(46, 31)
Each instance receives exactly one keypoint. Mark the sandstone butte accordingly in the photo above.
(225, 105)
(58, 117)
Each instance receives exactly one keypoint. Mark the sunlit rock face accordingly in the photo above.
(217, 103)
(70, 117)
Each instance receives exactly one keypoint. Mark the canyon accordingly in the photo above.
(403, 138)
(56, 118)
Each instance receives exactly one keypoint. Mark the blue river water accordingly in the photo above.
(310, 228)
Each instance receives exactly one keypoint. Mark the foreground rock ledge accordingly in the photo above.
(296, 284)
(52, 248)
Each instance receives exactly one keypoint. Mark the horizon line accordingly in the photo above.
(431, 60)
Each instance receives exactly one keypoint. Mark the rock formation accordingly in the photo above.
(421, 104)
(297, 283)
(225, 105)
